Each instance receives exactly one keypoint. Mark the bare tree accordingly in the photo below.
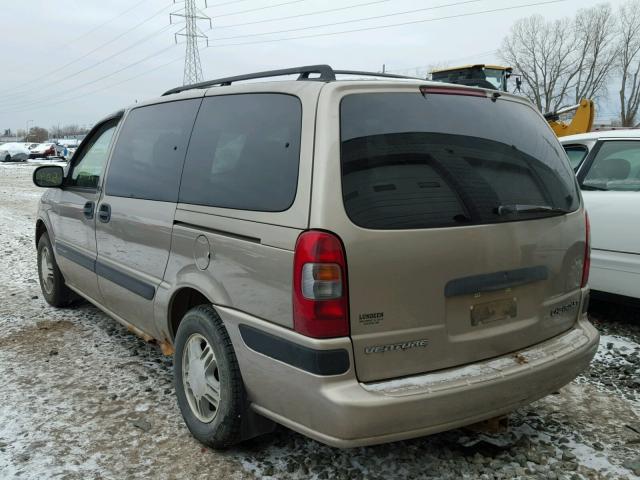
(37, 134)
(543, 52)
(595, 34)
(562, 61)
(57, 131)
(629, 61)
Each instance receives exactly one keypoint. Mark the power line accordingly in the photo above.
(11, 99)
(251, 10)
(129, 30)
(85, 55)
(298, 37)
(103, 77)
(86, 94)
(318, 12)
(14, 98)
(380, 27)
(386, 15)
(104, 23)
(226, 3)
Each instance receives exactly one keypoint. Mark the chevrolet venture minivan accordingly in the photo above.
(361, 260)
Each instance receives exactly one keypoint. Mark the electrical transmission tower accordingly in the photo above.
(191, 15)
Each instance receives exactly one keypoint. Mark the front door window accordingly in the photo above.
(88, 169)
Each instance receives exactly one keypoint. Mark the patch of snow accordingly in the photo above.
(616, 342)
(598, 461)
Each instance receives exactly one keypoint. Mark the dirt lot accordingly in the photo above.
(82, 398)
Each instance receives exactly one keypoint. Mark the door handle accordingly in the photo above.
(89, 209)
(104, 213)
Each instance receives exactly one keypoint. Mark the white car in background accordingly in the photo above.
(13, 152)
(607, 165)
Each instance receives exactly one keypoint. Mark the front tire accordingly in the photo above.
(7, 158)
(208, 383)
(54, 289)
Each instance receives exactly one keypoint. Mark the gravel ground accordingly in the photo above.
(83, 398)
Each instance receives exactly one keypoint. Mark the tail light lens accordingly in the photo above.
(320, 300)
(586, 265)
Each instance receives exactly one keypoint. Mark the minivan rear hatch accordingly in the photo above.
(464, 238)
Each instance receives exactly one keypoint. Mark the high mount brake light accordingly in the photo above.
(320, 300)
(586, 265)
(468, 92)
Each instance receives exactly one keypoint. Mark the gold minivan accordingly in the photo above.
(362, 260)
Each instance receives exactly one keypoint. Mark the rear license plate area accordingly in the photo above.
(494, 311)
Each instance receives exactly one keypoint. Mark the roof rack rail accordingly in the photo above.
(375, 74)
(325, 72)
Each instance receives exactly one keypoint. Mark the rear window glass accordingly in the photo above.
(244, 153)
(414, 161)
(576, 154)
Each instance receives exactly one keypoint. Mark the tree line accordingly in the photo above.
(562, 61)
(39, 134)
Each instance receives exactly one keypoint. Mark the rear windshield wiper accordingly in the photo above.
(593, 187)
(515, 209)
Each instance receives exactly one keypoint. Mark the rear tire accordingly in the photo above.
(54, 289)
(205, 363)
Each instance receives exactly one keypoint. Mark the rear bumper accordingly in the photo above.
(340, 411)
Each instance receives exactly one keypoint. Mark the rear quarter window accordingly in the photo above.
(414, 161)
(576, 154)
(244, 153)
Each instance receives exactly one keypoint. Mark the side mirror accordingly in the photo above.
(48, 176)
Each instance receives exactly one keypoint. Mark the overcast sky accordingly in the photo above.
(74, 61)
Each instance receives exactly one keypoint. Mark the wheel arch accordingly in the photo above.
(182, 300)
(41, 228)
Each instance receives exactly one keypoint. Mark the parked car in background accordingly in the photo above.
(13, 151)
(607, 165)
(362, 261)
(45, 150)
(30, 145)
(66, 147)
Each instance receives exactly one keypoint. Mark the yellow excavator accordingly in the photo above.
(496, 77)
(582, 120)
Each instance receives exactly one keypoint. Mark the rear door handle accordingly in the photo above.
(89, 209)
(104, 213)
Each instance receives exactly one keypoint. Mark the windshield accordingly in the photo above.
(495, 77)
(476, 76)
(410, 161)
(616, 166)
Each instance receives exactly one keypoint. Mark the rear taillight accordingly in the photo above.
(586, 265)
(320, 301)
